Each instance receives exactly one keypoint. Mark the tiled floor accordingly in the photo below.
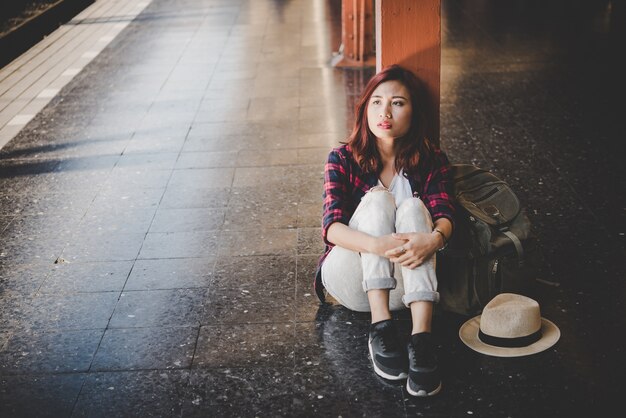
(176, 180)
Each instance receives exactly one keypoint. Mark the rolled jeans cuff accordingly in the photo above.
(381, 283)
(420, 296)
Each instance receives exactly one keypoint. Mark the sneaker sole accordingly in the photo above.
(380, 372)
(422, 393)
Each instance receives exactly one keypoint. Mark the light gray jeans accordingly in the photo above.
(348, 275)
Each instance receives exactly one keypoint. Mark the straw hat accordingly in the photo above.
(510, 326)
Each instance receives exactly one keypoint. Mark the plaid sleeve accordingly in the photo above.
(437, 194)
(335, 193)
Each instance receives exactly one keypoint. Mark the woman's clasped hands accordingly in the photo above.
(410, 249)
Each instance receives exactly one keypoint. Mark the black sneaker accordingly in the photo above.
(387, 354)
(424, 379)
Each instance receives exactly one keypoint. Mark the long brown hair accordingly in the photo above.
(411, 146)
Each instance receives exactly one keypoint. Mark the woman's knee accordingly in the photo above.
(380, 196)
(414, 215)
(376, 212)
(413, 205)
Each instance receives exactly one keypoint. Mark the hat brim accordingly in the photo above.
(468, 333)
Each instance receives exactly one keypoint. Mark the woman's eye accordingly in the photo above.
(376, 102)
(398, 103)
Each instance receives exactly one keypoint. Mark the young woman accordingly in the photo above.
(387, 210)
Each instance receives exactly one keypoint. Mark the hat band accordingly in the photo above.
(510, 342)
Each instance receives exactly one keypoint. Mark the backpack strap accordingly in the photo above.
(518, 246)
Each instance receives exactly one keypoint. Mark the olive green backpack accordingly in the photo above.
(492, 250)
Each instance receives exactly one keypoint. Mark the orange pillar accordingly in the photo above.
(357, 27)
(408, 32)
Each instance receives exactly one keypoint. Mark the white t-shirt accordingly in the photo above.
(400, 188)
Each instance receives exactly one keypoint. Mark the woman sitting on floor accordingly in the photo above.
(387, 210)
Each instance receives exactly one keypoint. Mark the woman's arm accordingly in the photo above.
(437, 194)
(445, 226)
(346, 237)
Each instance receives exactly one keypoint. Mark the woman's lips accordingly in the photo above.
(384, 125)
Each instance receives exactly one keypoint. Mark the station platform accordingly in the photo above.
(161, 172)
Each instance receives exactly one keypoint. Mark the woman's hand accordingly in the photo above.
(412, 249)
(383, 244)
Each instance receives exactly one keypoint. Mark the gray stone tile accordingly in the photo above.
(187, 244)
(310, 241)
(145, 348)
(211, 114)
(171, 273)
(313, 112)
(139, 177)
(247, 158)
(103, 246)
(26, 169)
(335, 342)
(235, 346)
(259, 216)
(148, 161)
(187, 219)
(74, 311)
(310, 194)
(50, 351)
(238, 74)
(341, 387)
(106, 276)
(313, 126)
(280, 87)
(150, 308)
(241, 392)
(279, 194)
(30, 249)
(261, 242)
(219, 88)
(22, 279)
(194, 196)
(209, 131)
(231, 103)
(39, 395)
(316, 156)
(4, 337)
(201, 141)
(202, 177)
(49, 223)
(146, 143)
(309, 215)
(5, 220)
(201, 159)
(235, 295)
(133, 393)
(321, 139)
(97, 164)
(120, 197)
(273, 108)
(123, 220)
(310, 176)
(75, 180)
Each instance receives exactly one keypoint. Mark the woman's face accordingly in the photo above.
(389, 110)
